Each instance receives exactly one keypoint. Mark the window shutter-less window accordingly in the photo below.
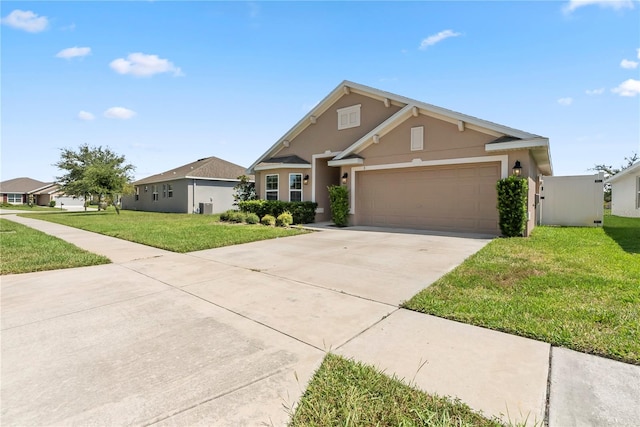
(417, 138)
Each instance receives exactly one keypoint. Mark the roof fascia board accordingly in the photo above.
(381, 130)
(202, 178)
(624, 172)
(517, 145)
(442, 111)
(282, 166)
(346, 162)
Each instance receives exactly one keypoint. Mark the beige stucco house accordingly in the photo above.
(20, 191)
(406, 163)
(625, 192)
(203, 186)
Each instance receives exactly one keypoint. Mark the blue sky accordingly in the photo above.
(167, 83)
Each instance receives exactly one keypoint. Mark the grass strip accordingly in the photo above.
(25, 250)
(572, 287)
(347, 393)
(174, 232)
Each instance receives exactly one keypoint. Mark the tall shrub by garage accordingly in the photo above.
(512, 205)
(339, 203)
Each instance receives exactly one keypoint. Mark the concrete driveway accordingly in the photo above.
(226, 336)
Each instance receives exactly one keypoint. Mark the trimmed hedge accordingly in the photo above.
(302, 212)
(339, 201)
(512, 205)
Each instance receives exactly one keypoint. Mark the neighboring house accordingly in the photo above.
(20, 191)
(625, 192)
(204, 186)
(406, 163)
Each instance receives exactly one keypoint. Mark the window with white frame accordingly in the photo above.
(14, 198)
(164, 191)
(295, 187)
(169, 190)
(349, 117)
(417, 138)
(154, 190)
(271, 187)
(137, 193)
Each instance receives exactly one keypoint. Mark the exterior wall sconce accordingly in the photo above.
(517, 168)
(344, 178)
(305, 180)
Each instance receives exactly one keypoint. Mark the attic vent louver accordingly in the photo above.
(204, 158)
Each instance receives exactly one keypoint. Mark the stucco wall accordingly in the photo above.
(324, 134)
(623, 196)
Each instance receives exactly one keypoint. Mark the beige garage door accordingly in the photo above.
(446, 198)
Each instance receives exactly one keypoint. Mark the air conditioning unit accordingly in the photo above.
(206, 208)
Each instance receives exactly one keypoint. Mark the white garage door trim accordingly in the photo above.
(503, 159)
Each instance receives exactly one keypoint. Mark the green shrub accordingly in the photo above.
(302, 212)
(52, 204)
(512, 205)
(268, 220)
(339, 203)
(285, 219)
(237, 217)
(252, 218)
(224, 216)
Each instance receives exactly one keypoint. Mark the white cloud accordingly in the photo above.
(629, 65)
(629, 87)
(436, 38)
(26, 20)
(86, 116)
(142, 65)
(72, 52)
(613, 4)
(599, 91)
(565, 101)
(119, 113)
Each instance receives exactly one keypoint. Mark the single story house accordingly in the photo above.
(203, 186)
(625, 192)
(406, 163)
(21, 191)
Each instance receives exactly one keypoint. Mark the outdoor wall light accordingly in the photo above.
(517, 168)
(306, 179)
(344, 177)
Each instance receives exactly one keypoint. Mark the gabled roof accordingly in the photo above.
(211, 168)
(408, 107)
(23, 185)
(631, 169)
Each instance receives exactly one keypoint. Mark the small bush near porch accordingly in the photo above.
(571, 287)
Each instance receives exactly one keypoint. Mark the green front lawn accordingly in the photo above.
(572, 287)
(10, 207)
(348, 393)
(173, 232)
(25, 250)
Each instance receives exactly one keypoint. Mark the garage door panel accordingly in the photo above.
(452, 198)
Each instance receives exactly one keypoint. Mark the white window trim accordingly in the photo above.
(295, 189)
(348, 112)
(154, 191)
(14, 196)
(417, 138)
(277, 190)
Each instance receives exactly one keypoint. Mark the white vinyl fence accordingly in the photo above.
(572, 200)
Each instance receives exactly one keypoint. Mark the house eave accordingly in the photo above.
(282, 166)
(539, 148)
(346, 162)
(623, 173)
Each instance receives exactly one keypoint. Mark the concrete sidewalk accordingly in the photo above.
(231, 336)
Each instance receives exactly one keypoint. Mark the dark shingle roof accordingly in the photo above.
(22, 185)
(290, 160)
(207, 168)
